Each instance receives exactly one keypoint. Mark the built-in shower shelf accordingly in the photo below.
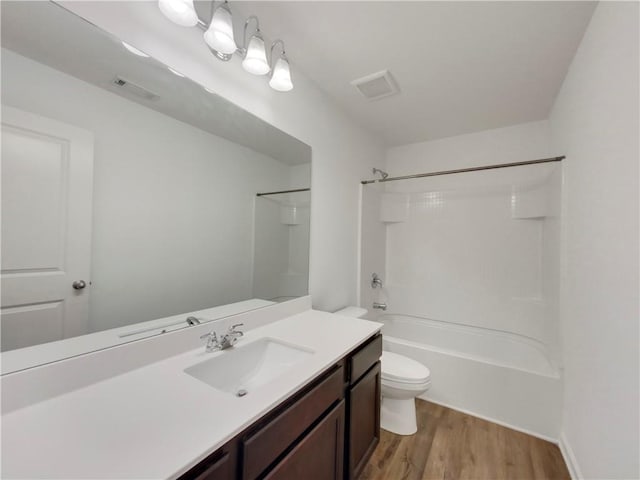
(394, 207)
(533, 203)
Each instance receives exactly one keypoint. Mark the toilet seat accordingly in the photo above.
(398, 369)
(413, 388)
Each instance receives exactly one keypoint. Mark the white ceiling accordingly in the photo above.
(461, 66)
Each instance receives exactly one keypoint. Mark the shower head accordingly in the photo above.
(382, 173)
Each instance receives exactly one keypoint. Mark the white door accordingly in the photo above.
(47, 189)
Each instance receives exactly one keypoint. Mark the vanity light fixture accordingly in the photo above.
(219, 37)
(280, 74)
(255, 55)
(181, 12)
(134, 50)
(219, 34)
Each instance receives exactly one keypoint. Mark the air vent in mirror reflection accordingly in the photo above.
(133, 89)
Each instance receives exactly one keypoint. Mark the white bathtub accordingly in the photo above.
(503, 377)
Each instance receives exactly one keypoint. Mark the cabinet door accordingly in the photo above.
(319, 455)
(363, 421)
(220, 465)
(261, 448)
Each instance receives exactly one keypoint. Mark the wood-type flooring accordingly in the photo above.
(451, 445)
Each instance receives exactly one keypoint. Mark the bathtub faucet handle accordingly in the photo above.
(376, 281)
(380, 306)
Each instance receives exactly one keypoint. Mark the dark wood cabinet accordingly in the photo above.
(270, 438)
(327, 431)
(362, 359)
(319, 455)
(220, 465)
(363, 429)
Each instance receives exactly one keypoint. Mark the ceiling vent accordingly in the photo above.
(134, 89)
(377, 85)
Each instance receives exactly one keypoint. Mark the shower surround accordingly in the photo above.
(470, 264)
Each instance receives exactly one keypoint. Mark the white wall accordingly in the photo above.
(595, 123)
(526, 141)
(162, 192)
(343, 153)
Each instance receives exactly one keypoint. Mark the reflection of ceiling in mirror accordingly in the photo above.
(51, 35)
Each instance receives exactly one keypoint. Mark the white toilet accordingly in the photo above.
(403, 379)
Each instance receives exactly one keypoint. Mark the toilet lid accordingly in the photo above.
(402, 369)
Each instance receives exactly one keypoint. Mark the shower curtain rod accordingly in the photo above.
(283, 191)
(463, 170)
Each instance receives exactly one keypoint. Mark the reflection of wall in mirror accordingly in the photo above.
(173, 204)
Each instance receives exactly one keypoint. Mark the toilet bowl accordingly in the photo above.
(402, 380)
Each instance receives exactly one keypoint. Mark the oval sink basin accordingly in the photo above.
(241, 370)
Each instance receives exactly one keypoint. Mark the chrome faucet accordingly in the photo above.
(227, 340)
(380, 306)
(376, 281)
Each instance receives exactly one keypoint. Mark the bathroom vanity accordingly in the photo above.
(179, 415)
(328, 430)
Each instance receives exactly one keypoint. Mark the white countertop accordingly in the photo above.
(157, 421)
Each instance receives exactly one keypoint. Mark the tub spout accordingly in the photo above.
(380, 306)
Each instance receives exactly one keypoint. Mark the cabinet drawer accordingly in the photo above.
(263, 447)
(319, 455)
(364, 358)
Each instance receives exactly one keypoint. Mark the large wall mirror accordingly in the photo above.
(132, 197)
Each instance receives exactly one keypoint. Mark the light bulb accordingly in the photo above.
(255, 61)
(134, 50)
(181, 12)
(219, 35)
(281, 77)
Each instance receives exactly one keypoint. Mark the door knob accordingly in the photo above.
(79, 284)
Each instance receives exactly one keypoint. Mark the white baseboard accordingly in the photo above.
(569, 458)
(498, 422)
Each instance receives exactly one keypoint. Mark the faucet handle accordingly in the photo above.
(212, 341)
(211, 337)
(232, 329)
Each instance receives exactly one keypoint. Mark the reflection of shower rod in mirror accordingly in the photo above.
(295, 190)
(219, 37)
